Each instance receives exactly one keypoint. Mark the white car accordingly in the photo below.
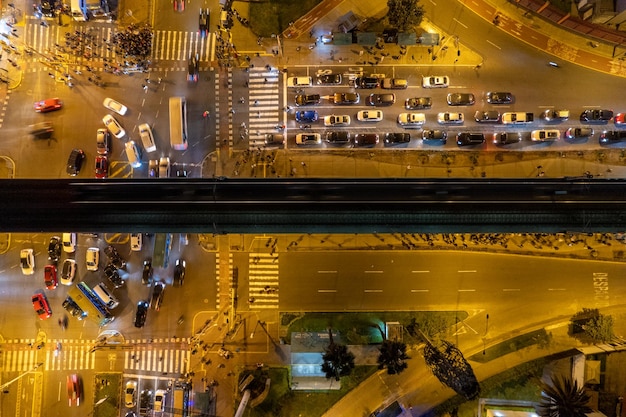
(411, 119)
(27, 261)
(369, 116)
(145, 133)
(159, 401)
(334, 120)
(545, 135)
(92, 259)
(136, 241)
(130, 396)
(115, 106)
(435, 81)
(450, 118)
(299, 82)
(133, 154)
(69, 242)
(164, 167)
(114, 127)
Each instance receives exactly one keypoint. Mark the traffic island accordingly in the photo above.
(106, 398)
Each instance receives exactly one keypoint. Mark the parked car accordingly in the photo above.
(341, 137)
(113, 126)
(133, 154)
(549, 135)
(506, 138)
(75, 162)
(346, 98)
(146, 274)
(619, 119)
(49, 104)
(153, 168)
(69, 242)
(159, 401)
(418, 103)
(469, 138)
(130, 395)
(141, 313)
(27, 261)
(552, 115)
(369, 116)
(136, 241)
(307, 116)
(103, 142)
(308, 139)
(307, 99)
(365, 139)
(179, 272)
(435, 135)
(460, 99)
(450, 118)
(68, 272)
(74, 389)
(54, 249)
(92, 259)
(578, 132)
(392, 139)
(386, 99)
(41, 305)
(147, 138)
(337, 120)
(50, 276)
(366, 82)
(301, 81)
(499, 98)
(164, 167)
(329, 79)
(274, 139)
(115, 106)
(411, 119)
(435, 81)
(101, 167)
(596, 116)
(612, 136)
(394, 83)
(488, 116)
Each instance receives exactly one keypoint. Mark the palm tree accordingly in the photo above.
(563, 399)
(338, 361)
(392, 356)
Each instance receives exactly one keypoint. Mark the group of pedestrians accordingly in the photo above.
(134, 41)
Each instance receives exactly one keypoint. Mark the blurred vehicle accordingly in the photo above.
(450, 118)
(41, 305)
(307, 99)
(337, 120)
(469, 138)
(346, 98)
(365, 139)
(103, 142)
(552, 115)
(54, 249)
(506, 138)
(42, 130)
(308, 139)
(612, 136)
(499, 98)
(146, 274)
(27, 261)
(392, 139)
(130, 395)
(274, 139)
(435, 135)
(341, 137)
(68, 272)
(136, 241)
(141, 313)
(115, 106)
(179, 272)
(157, 295)
(578, 132)
(596, 116)
(74, 389)
(307, 116)
(49, 104)
(102, 167)
(438, 81)
(544, 135)
(193, 68)
(394, 83)
(460, 99)
(164, 167)
(203, 23)
(418, 103)
(329, 79)
(50, 276)
(619, 119)
(386, 99)
(369, 116)
(92, 259)
(74, 162)
(411, 119)
(69, 242)
(113, 126)
(179, 5)
(488, 116)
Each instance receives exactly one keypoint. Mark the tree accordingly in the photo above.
(338, 361)
(403, 14)
(392, 356)
(590, 326)
(563, 399)
(452, 369)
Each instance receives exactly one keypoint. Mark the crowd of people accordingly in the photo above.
(134, 41)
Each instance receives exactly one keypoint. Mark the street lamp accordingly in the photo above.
(20, 376)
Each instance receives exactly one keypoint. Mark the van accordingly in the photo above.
(133, 154)
(79, 10)
(107, 298)
(145, 133)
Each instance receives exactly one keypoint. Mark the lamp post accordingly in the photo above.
(3, 386)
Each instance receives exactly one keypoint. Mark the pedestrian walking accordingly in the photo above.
(206, 114)
(145, 87)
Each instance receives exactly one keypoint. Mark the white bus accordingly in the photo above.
(178, 123)
(79, 10)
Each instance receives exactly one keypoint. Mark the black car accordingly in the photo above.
(142, 313)
(338, 138)
(54, 249)
(460, 99)
(193, 67)
(417, 103)
(203, 23)
(506, 138)
(274, 139)
(596, 116)
(366, 139)
(329, 79)
(499, 98)
(381, 99)
(435, 135)
(71, 307)
(110, 271)
(146, 275)
(346, 98)
(489, 116)
(578, 132)
(75, 161)
(468, 139)
(396, 138)
(179, 272)
(307, 99)
(114, 257)
(612, 136)
(366, 82)
(157, 295)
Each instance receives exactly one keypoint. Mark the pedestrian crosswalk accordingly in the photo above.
(263, 87)
(166, 357)
(167, 45)
(224, 277)
(263, 281)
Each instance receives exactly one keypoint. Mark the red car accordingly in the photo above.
(50, 276)
(41, 306)
(179, 5)
(102, 166)
(73, 389)
(619, 119)
(49, 104)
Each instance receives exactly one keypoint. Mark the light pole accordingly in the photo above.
(20, 376)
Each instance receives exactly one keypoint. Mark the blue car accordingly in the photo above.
(307, 116)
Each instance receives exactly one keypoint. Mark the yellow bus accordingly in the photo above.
(178, 123)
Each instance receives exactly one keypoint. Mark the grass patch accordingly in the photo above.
(540, 337)
(361, 328)
(281, 401)
(273, 16)
(109, 386)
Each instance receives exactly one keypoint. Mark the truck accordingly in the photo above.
(517, 118)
